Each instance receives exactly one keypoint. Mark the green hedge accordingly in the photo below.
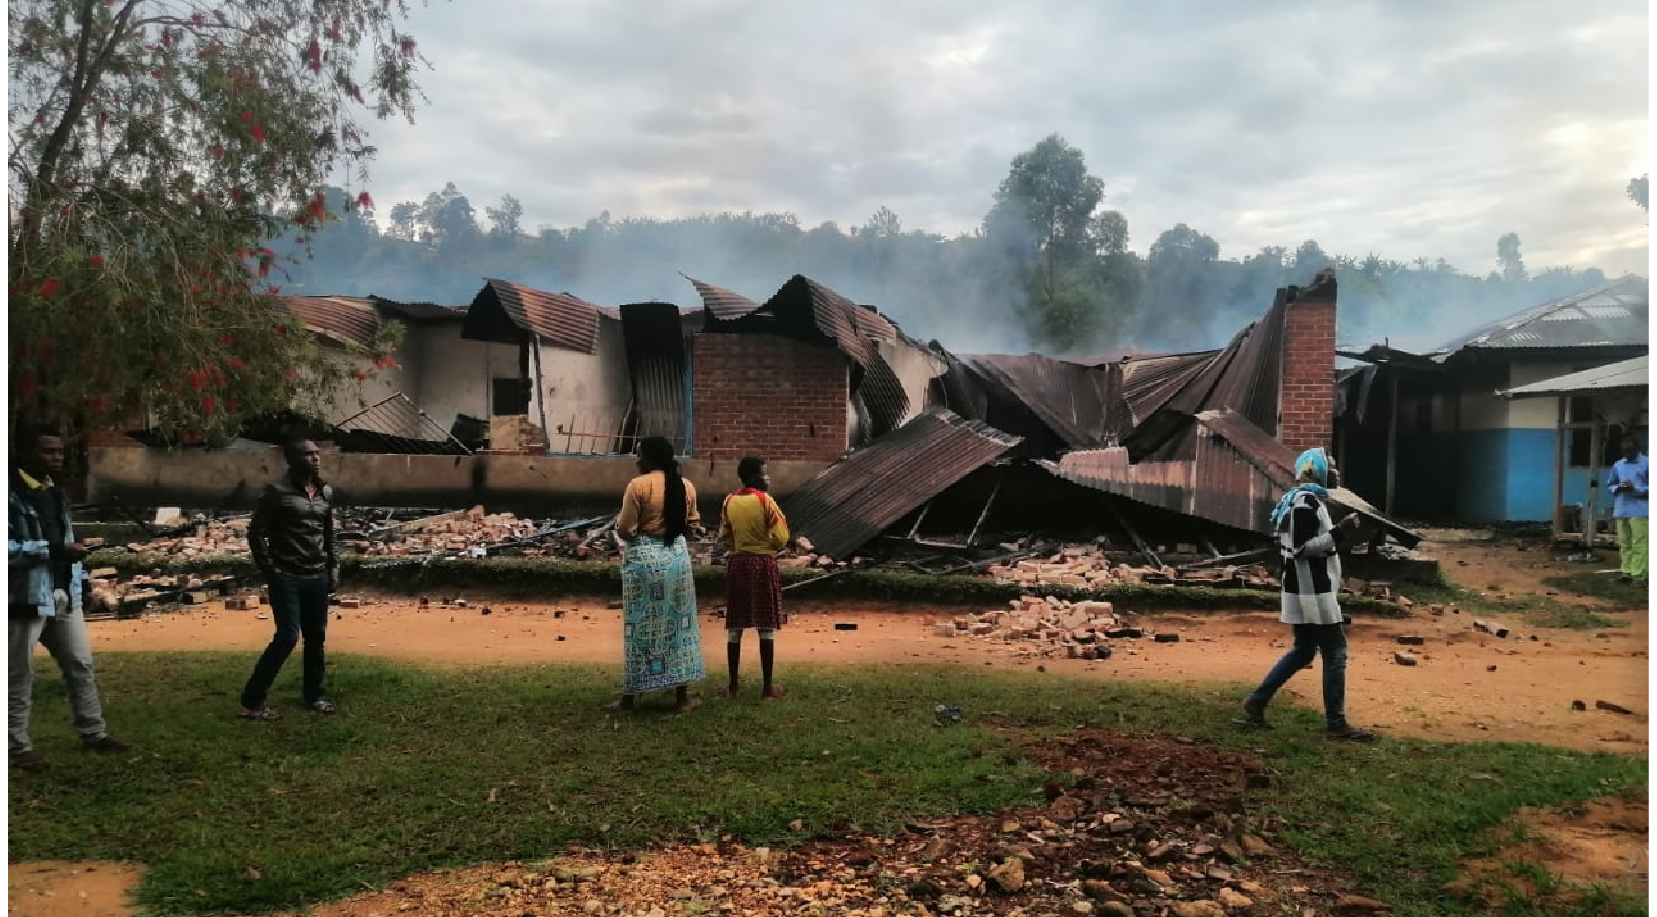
(547, 578)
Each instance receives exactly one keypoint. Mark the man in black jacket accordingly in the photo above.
(292, 540)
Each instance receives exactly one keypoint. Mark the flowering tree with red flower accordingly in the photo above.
(156, 146)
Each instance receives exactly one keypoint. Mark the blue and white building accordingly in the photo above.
(1433, 433)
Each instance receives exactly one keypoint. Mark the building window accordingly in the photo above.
(508, 397)
(1580, 439)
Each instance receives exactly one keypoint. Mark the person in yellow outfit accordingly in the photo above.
(1630, 486)
(753, 530)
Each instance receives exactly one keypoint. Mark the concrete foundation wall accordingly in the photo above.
(530, 485)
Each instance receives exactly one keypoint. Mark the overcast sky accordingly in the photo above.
(1401, 127)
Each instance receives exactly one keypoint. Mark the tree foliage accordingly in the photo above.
(1637, 191)
(157, 146)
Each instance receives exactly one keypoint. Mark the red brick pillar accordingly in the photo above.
(1306, 403)
(770, 396)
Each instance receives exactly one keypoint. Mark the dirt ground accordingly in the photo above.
(1468, 685)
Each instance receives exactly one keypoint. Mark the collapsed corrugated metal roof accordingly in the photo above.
(862, 495)
(503, 310)
(1235, 475)
(719, 303)
(1083, 405)
(1613, 314)
(656, 359)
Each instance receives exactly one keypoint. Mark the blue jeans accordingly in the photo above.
(1310, 641)
(300, 608)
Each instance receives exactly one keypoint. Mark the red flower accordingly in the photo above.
(226, 340)
(218, 152)
(246, 116)
(281, 329)
(197, 18)
(360, 376)
(208, 404)
(235, 363)
(97, 260)
(158, 73)
(258, 134)
(197, 379)
(386, 362)
(406, 46)
(50, 287)
(313, 57)
(364, 201)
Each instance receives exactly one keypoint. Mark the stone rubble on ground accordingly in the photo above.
(1049, 628)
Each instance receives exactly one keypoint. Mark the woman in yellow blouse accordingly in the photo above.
(661, 640)
(753, 529)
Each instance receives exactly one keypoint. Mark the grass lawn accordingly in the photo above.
(1537, 610)
(1603, 586)
(431, 768)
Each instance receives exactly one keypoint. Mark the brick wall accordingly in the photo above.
(1307, 405)
(760, 394)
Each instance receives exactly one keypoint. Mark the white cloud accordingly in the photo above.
(1401, 128)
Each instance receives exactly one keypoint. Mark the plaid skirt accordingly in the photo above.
(753, 592)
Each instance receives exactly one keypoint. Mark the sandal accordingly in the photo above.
(263, 714)
(324, 706)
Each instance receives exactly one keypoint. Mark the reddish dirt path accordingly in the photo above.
(1449, 695)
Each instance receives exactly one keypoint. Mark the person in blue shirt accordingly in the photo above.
(1630, 486)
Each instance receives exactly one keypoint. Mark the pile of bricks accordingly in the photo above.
(458, 532)
(1089, 567)
(111, 596)
(1050, 626)
(210, 539)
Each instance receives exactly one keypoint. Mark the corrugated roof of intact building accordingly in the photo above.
(862, 495)
(1613, 314)
(348, 319)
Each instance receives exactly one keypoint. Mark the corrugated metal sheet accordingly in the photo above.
(1614, 314)
(1148, 383)
(1234, 477)
(656, 361)
(347, 319)
(418, 312)
(861, 496)
(1082, 404)
(1635, 373)
(722, 304)
(559, 319)
(880, 396)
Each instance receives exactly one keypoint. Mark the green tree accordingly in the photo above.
(1044, 226)
(1637, 188)
(1179, 278)
(156, 145)
(506, 221)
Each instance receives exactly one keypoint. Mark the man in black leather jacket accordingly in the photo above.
(292, 540)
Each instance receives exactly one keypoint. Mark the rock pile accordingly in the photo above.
(1050, 626)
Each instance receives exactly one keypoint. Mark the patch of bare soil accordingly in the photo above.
(1151, 825)
(55, 889)
(1604, 842)
(1504, 567)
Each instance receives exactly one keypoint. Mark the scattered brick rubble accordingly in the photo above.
(1089, 566)
(1130, 826)
(1050, 627)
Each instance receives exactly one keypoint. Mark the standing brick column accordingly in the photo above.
(1306, 402)
(766, 395)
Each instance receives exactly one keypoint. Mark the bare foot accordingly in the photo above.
(772, 693)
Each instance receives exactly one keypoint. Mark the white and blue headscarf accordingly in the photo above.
(1311, 476)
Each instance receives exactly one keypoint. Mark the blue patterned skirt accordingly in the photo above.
(661, 638)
